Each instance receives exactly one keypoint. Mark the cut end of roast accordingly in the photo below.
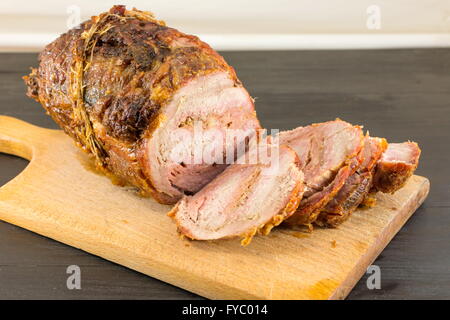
(205, 122)
(243, 200)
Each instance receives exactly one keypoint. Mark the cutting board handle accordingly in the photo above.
(19, 138)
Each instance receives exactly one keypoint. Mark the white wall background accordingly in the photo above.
(250, 24)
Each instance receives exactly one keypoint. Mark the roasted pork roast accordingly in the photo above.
(148, 102)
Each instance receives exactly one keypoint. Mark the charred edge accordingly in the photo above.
(83, 54)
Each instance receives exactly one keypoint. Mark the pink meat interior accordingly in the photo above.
(197, 122)
(405, 152)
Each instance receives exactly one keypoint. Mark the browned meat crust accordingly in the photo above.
(134, 66)
(310, 207)
(356, 187)
(346, 201)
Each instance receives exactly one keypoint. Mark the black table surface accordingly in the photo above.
(397, 94)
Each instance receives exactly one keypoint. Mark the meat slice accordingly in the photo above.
(372, 151)
(329, 155)
(396, 165)
(131, 91)
(243, 200)
(356, 188)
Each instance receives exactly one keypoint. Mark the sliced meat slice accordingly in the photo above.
(323, 149)
(356, 187)
(329, 155)
(396, 165)
(372, 151)
(243, 200)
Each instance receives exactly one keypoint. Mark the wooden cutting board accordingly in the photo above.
(59, 196)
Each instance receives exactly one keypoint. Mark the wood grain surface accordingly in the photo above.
(59, 195)
(397, 94)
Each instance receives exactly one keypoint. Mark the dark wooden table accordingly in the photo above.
(397, 94)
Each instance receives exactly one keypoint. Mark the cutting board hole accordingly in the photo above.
(10, 167)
